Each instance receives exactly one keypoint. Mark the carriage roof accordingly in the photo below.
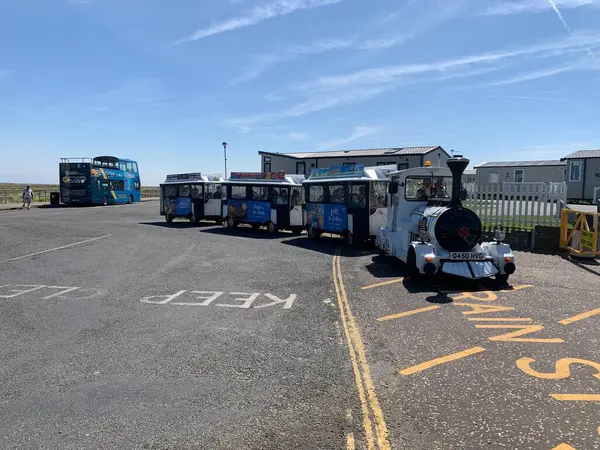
(401, 175)
(282, 180)
(353, 173)
(191, 178)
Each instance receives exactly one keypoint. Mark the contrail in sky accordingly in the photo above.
(564, 22)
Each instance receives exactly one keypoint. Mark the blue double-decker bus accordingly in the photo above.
(103, 180)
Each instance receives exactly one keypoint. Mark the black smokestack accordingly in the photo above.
(457, 165)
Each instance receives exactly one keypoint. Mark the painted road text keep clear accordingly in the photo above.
(243, 300)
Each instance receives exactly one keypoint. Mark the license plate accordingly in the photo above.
(467, 256)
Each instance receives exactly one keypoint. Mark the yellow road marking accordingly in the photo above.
(350, 442)
(384, 283)
(357, 349)
(564, 447)
(576, 397)
(444, 359)
(514, 336)
(519, 287)
(581, 316)
(408, 313)
(500, 319)
(367, 425)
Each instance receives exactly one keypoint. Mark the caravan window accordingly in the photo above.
(575, 171)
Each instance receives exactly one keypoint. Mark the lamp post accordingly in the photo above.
(224, 144)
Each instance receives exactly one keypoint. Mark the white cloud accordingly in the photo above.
(256, 15)
(359, 132)
(536, 6)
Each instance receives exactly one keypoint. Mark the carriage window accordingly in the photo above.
(238, 192)
(316, 194)
(197, 191)
(358, 196)
(214, 191)
(379, 194)
(259, 193)
(428, 188)
(336, 193)
(296, 199)
(171, 191)
(184, 190)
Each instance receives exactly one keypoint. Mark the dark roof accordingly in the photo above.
(397, 151)
(582, 154)
(552, 162)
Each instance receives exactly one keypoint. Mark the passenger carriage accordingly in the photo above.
(350, 201)
(192, 196)
(269, 199)
(429, 229)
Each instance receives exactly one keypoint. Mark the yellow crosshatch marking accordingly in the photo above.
(362, 372)
(383, 283)
(500, 319)
(444, 359)
(408, 313)
(581, 316)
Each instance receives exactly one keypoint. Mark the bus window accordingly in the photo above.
(296, 197)
(259, 193)
(184, 190)
(336, 193)
(118, 185)
(238, 192)
(129, 167)
(316, 194)
(171, 191)
(379, 194)
(358, 196)
(197, 191)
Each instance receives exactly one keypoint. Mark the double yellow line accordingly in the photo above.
(371, 411)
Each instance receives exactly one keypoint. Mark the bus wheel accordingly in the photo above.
(105, 200)
(255, 226)
(169, 218)
(271, 228)
(131, 199)
(349, 238)
(230, 222)
(312, 233)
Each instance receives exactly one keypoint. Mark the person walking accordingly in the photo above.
(27, 197)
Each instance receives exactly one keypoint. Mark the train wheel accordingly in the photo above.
(192, 218)
(411, 262)
(312, 233)
(169, 218)
(349, 238)
(297, 231)
(271, 227)
(255, 226)
(502, 278)
(230, 223)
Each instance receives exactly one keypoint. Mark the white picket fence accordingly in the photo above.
(517, 205)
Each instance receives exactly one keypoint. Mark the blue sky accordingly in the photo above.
(165, 82)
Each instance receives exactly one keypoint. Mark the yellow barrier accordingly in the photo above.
(581, 240)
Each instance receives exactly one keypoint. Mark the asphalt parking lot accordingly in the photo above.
(121, 332)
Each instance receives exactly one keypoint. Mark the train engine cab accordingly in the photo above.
(429, 229)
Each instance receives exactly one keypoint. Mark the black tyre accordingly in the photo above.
(169, 218)
(131, 199)
(297, 231)
(348, 238)
(105, 201)
(411, 262)
(271, 228)
(502, 278)
(192, 218)
(231, 223)
(312, 233)
(255, 226)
